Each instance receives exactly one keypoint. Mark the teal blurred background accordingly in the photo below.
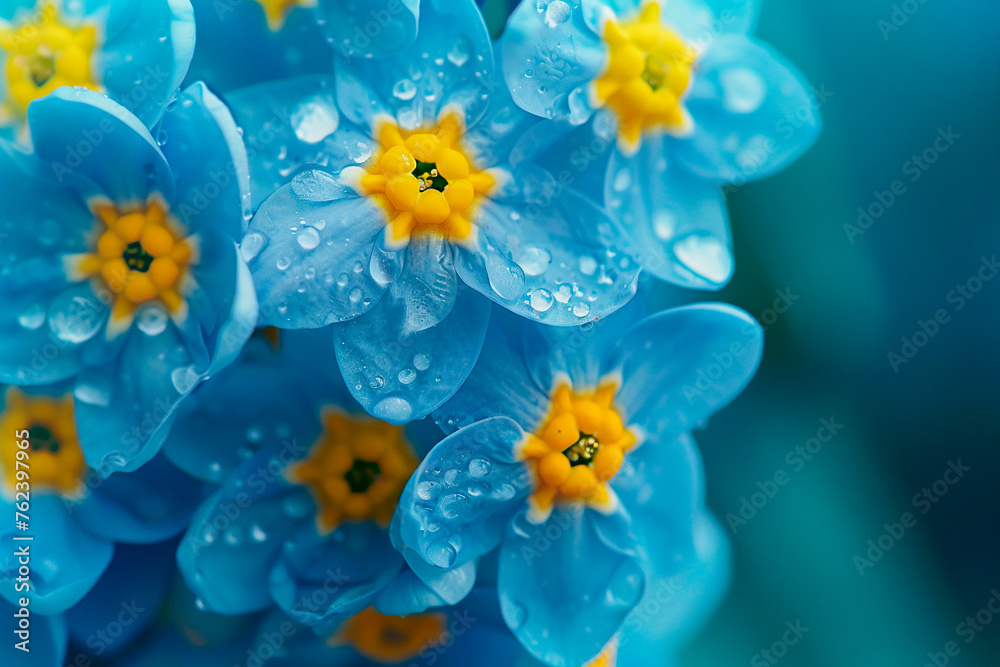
(850, 295)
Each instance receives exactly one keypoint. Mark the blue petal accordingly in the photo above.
(370, 28)
(322, 581)
(499, 383)
(565, 586)
(398, 372)
(124, 408)
(407, 594)
(677, 222)
(151, 504)
(200, 141)
(752, 113)
(458, 501)
(222, 422)
(236, 48)
(82, 133)
(438, 70)
(66, 559)
(661, 483)
(586, 354)
(148, 47)
(310, 259)
(547, 253)
(702, 21)
(125, 600)
(675, 606)
(47, 637)
(682, 365)
(451, 584)
(237, 535)
(551, 55)
(292, 125)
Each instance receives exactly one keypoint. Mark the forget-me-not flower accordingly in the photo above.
(120, 267)
(687, 97)
(426, 202)
(572, 454)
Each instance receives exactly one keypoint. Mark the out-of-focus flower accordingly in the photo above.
(692, 100)
(120, 266)
(245, 42)
(425, 203)
(570, 451)
(309, 483)
(75, 516)
(135, 52)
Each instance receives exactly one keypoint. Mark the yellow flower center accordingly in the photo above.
(44, 52)
(649, 69)
(577, 450)
(141, 255)
(356, 470)
(54, 460)
(391, 640)
(608, 657)
(425, 182)
(276, 11)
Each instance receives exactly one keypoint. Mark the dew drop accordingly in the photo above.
(540, 299)
(404, 90)
(422, 362)
(664, 225)
(184, 378)
(315, 120)
(32, 317)
(743, 90)
(308, 238)
(253, 243)
(581, 309)
(479, 467)
(558, 12)
(533, 261)
(705, 256)
(75, 318)
(283, 262)
(152, 320)
(393, 409)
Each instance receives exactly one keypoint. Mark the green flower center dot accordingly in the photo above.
(362, 475)
(429, 177)
(137, 258)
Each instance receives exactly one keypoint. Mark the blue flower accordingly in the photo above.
(425, 201)
(135, 52)
(75, 516)
(472, 632)
(570, 450)
(120, 267)
(693, 101)
(245, 42)
(308, 483)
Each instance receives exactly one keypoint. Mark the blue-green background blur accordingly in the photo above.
(890, 91)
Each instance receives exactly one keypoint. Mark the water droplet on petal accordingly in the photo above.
(743, 90)
(534, 261)
(581, 309)
(441, 553)
(557, 12)
(404, 90)
(184, 379)
(75, 318)
(152, 320)
(308, 238)
(540, 299)
(407, 375)
(315, 120)
(460, 52)
(479, 467)
(393, 409)
(422, 362)
(252, 244)
(32, 317)
(664, 225)
(706, 256)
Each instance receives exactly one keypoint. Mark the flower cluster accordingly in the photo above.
(322, 329)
